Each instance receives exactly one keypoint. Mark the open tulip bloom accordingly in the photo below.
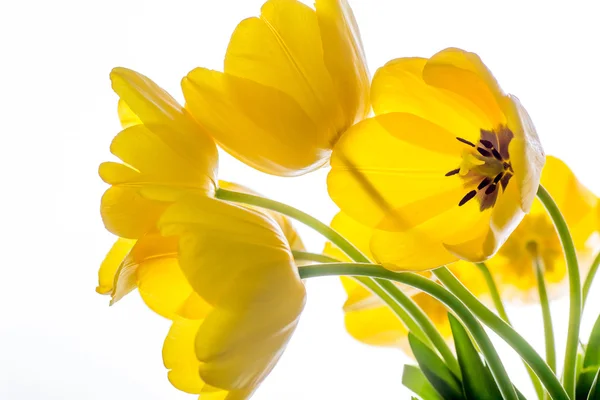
(438, 224)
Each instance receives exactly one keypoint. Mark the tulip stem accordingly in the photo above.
(437, 291)
(547, 316)
(587, 284)
(491, 284)
(387, 296)
(495, 295)
(352, 251)
(575, 307)
(315, 257)
(506, 332)
(355, 254)
(423, 321)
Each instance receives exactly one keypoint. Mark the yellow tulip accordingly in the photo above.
(294, 81)
(446, 169)
(150, 264)
(241, 291)
(246, 273)
(165, 154)
(513, 266)
(239, 261)
(367, 318)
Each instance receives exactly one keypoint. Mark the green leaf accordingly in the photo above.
(592, 350)
(595, 390)
(477, 379)
(413, 378)
(437, 373)
(585, 380)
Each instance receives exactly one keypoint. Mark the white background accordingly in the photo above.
(60, 340)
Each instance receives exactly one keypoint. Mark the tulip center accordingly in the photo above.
(485, 167)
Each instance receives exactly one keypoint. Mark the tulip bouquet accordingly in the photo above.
(448, 205)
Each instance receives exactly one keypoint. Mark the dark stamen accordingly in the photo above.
(505, 180)
(465, 141)
(486, 181)
(486, 143)
(498, 177)
(496, 154)
(453, 172)
(490, 189)
(484, 152)
(467, 197)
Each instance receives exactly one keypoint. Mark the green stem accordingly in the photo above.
(387, 296)
(315, 257)
(330, 234)
(355, 254)
(437, 291)
(575, 308)
(506, 332)
(547, 316)
(590, 278)
(424, 323)
(491, 284)
(495, 294)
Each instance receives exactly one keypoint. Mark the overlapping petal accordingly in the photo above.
(180, 359)
(239, 261)
(151, 265)
(397, 172)
(294, 80)
(165, 153)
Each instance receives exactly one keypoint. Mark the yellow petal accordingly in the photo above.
(110, 265)
(209, 229)
(179, 356)
(356, 233)
(262, 126)
(144, 98)
(388, 161)
(180, 359)
(151, 266)
(470, 276)
(377, 326)
(282, 49)
(398, 86)
(294, 80)
(576, 202)
(165, 154)
(493, 229)
(388, 172)
(292, 236)
(464, 73)
(126, 213)
(344, 58)
(526, 153)
(126, 116)
(239, 348)
(238, 260)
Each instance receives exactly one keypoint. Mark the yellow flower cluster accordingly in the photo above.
(224, 274)
(443, 173)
